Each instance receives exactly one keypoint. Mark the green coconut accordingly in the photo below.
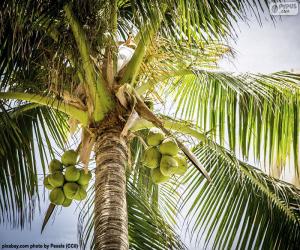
(47, 184)
(72, 174)
(151, 157)
(67, 202)
(84, 178)
(157, 176)
(57, 196)
(56, 179)
(70, 189)
(69, 158)
(168, 165)
(55, 165)
(182, 165)
(155, 137)
(81, 194)
(169, 147)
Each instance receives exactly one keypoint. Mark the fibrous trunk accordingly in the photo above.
(111, 220)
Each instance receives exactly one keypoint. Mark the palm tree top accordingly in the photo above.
(59, 74)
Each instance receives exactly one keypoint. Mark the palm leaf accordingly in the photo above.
(20, 35)
(146, 227)
(193, 21)
(257, 113)
(25, 144)
(163, 197)
(167, 59)
(244, 208)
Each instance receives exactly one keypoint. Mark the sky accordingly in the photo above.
(264, 49)
(267, 48)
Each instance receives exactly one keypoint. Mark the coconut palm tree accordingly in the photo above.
(63, 70)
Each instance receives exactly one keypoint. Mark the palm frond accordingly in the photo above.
(193, 21)
(255, 113)
(146, 226)
(21, 37)
(167, 59)
(27, 135)
(163, 197)
(243, 209)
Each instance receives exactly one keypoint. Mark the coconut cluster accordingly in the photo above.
(163, 157)
(66, 181)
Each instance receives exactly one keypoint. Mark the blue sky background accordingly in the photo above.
(264, 49)
(267, 48)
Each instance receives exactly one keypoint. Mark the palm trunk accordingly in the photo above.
(111, 221)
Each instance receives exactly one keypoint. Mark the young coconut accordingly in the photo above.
(81, 194)
(56, 179)
(69, 158)
(168, 165)
(70, 189)
(57, 196)
(47, 184)
(55, 165)
(72, 174)
(151, 157)
(84, 178)
(169, 147)
(155, 137)
(157, 176)
(67, 202)
(182, 164)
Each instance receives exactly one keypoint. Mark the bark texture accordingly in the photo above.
(111, 220)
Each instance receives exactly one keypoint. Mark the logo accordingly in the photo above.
(284, 8)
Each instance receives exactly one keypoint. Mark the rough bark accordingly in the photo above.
(111, 220)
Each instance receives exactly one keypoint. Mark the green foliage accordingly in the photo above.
(255, 112)
(192, 21)
(241, 198)
(147, 227)
(44, 53)
(26, 133)
(244, 208)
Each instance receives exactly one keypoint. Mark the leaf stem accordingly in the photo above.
(98, 92)
(68, 109)
(170, 124)
(144, 37)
